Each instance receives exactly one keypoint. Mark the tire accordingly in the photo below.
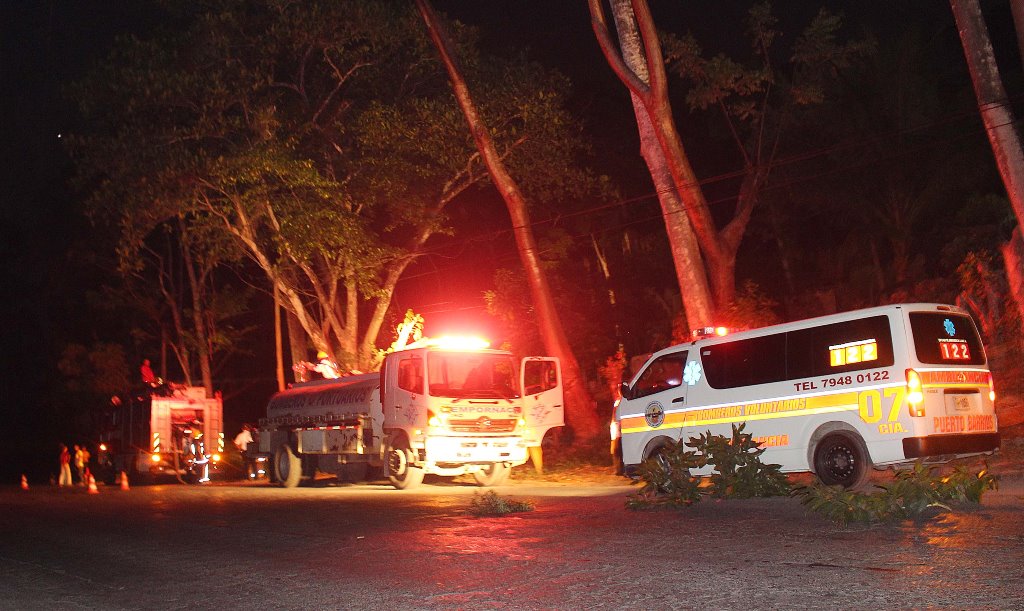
(494, 475)
(401, 473)
(287, 467)
(660, 456)
(840, 459)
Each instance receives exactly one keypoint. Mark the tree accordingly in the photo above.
(749, 103)
(317, 138)
(579, 406)
(698, 306)
(993, 104)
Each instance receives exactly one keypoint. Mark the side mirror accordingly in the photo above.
(624, 391)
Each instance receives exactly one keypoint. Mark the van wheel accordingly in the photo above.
(840, 459)
(287, 466)
(492, 475)
(660, 458)
(401, 473)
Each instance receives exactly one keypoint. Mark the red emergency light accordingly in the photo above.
(703, 332)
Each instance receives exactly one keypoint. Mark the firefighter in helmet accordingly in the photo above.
(200, 460)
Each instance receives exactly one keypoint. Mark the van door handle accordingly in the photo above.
(679, 400)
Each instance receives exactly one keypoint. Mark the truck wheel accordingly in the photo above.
(493, 475)
(287, 467)
(841, 460)
(401, 473)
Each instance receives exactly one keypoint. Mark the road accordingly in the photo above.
(239, 546)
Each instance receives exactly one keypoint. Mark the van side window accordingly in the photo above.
(745, 362)
(803, 353)
(410, 374)
(664, 373)
(809, 350)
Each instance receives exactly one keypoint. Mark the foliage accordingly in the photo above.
(101, 369)
(612, 371)
(984, 292)
(916, 493)
(738, 472)
(668, 481)
(490, 504)
(751, 309)
(318, 140)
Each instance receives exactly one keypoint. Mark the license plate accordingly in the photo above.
(962, 404)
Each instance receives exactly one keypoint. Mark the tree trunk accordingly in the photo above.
(998, 118)
(718, 247)
(200, 327)
(296, 338)
(278, 340)
(698, 307)
(580, 413)
(1013, 260)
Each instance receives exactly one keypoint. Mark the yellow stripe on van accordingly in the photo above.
(761, 410)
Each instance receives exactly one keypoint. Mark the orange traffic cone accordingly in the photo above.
(124, 481)
(24, 482)
(92, 485)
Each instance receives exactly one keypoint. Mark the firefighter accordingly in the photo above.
(326, 367)
(200, 461)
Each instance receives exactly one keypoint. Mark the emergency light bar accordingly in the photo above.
(452, 342)
(709, 332)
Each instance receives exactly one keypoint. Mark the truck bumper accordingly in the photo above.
(475, 450)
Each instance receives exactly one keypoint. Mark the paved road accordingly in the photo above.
(364, 547)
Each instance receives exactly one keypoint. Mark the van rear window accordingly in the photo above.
(945, 338)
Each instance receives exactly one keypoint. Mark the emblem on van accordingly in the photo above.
(691, 375)
(950, 327)
(654, 415)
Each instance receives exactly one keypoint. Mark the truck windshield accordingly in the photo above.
(471, 375)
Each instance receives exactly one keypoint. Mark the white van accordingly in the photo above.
(834, 395)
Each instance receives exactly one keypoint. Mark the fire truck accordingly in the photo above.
(177, 434)
(446, 406)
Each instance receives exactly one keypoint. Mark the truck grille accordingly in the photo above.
(483, 425)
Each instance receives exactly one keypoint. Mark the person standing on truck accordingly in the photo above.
(148, 377)
(326, 367)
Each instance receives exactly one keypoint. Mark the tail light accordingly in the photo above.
(215, 458)
(155, 458)
(915, 394)
(991, 389)
(613, 427)
(433, 419)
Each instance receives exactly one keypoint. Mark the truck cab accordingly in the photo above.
(451, 411)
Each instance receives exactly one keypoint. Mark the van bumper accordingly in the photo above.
(937, 445)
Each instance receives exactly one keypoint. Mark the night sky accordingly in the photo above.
(45, 239)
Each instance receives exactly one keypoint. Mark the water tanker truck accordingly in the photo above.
(444, 407)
